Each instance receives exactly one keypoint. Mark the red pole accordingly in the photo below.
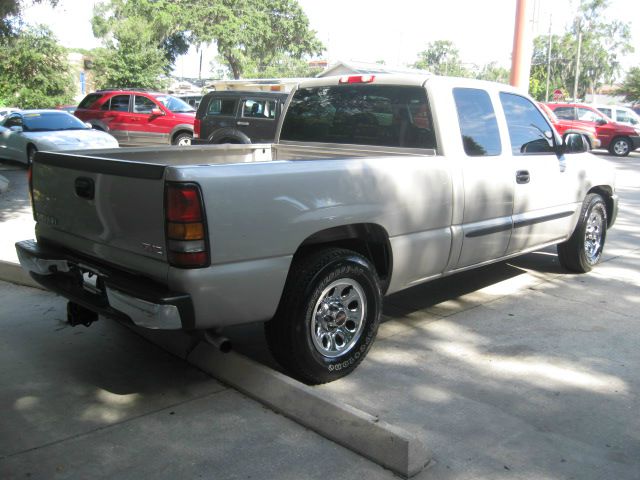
(520, 59)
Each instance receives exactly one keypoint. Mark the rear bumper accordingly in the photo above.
(116, 294)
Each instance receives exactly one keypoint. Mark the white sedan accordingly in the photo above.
(24, 133)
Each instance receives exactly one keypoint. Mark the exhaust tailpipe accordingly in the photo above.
(214, 338)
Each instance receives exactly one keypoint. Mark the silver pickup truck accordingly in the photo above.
(375, 184)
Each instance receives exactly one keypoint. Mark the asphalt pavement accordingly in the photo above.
(515, 370)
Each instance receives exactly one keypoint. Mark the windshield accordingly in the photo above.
(175, 104)
(50, 121)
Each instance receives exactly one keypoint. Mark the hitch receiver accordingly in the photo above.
(79, 315)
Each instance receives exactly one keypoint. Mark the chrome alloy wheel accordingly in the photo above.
(338, 317)
(593, 236)
(621, 148)
(184, 142)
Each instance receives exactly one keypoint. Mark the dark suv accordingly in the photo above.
(137, 117)
(238, 117)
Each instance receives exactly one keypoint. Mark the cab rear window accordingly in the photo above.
(381, 115)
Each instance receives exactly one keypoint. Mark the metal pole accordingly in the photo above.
(575, 82)
(520, 61)
(546, 92)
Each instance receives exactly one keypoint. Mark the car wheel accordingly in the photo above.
(31, 153)
(584, 248)
(620, 147)
(328, 316)
(585, 138)
(183, 139)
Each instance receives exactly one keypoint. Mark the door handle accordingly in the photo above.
(522, 176)
(85, 188)
(246, 124)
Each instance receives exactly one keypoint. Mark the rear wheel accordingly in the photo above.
(31, 153)
(183, 139)
(620, 147)
(584, 248)
(328, 316)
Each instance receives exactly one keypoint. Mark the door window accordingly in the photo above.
(529, 132)
(478, 124)
(565, 113)
(258, 108)
(626, 117)
(587, 115)
(119, 103)
(606, 111)
(222, 106)
(143, 105)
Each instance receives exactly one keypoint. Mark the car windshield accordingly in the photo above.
(51, 121)
(175, 104)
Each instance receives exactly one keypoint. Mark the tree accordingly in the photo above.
(10, 11)
(131, 57)
(34, 71)
(247, 33)
(442, 58)
(630, 87)
(494, 73)
(602, 43)
(281, 66)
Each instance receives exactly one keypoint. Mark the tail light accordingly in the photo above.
(357, 79)
(196, 128)
(187, 245)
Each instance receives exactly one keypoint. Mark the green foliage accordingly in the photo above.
(494, 73)
(131, 58)
(602, 43)
(630, 87)
(249, 34)
(442, 58)
(281, 66)
(34, 71)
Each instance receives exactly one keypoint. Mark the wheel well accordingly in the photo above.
(606, 193)
(368, 239)
(175, 135)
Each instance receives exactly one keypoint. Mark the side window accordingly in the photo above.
(565, 113)
(89, 100)
(625, 117)
(478, 125)
(120, 103)
(222, 106)
(13, 121)
(606, 111)
(587, 115)
(529, 132)
(143, 105)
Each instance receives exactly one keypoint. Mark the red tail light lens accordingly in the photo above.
(357, 79)
(185, 227)
(196, 128)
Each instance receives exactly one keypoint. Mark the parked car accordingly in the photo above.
(24, 133)
(4, 111)
(193, 100)
(238, 117)
(565, 127)
(374, 185)
(138, 118)
(620, 114)
(618, 138)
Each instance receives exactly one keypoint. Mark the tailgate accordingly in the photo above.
(109, 209)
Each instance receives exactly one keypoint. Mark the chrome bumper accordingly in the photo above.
(119, 294)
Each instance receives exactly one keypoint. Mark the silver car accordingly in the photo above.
(24, 133)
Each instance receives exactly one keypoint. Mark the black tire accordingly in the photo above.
(587, 142)
(584, 248)
(314, 335)
(31, 153)
(620, 147)
(183, 139)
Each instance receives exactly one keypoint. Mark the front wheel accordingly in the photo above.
(584, 248)
(183, 139)
(328, 316)
(620, 147)
(31, 154)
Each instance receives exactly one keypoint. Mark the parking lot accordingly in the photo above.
(515, 370)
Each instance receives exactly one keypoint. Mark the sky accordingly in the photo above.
(367, 31)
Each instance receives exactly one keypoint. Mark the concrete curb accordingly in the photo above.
(384, 444)
(13, 272)
(4, 184)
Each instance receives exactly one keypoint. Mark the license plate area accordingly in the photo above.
(91, 280)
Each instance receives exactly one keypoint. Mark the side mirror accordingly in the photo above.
(157, 112)
(88, 125)
(601, 121)
(16, 128)
(575, 143)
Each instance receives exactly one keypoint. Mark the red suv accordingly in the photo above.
(137, 117)
(564, 127)
(618, 138)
